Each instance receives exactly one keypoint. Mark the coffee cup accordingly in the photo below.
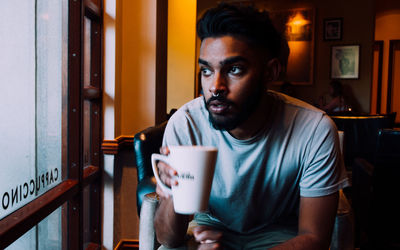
(195, 166)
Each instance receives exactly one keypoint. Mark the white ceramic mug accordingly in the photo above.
(195, 167)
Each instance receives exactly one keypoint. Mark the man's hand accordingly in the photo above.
(208, 237)
(170, 227)
(166, 173)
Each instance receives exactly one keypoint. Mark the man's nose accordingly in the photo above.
(219, 85)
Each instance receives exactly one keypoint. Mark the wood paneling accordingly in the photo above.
(112, 147)
(127, 245)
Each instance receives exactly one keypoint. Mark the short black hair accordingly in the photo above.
(242, 22)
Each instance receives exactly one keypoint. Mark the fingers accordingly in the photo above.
(208, 237)
(164, 150)
(167, 174)
(161, 193)
(212, 246)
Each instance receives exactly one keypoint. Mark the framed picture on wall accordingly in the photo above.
(345, 62)
(333, 29)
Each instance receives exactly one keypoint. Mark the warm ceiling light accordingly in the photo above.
(296, 24)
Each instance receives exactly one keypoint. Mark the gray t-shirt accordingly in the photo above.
(258, 181)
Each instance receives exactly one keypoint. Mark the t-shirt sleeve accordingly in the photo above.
(324, 172)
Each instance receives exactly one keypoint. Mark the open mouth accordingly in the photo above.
(218, 107)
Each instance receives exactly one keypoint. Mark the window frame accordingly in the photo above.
(69, 193)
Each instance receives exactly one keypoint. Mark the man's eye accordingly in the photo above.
(236, 70)
(206, 72)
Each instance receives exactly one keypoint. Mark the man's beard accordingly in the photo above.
(228, 123)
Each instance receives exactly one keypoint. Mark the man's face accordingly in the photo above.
(232, 78)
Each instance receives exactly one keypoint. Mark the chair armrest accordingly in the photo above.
(144, 187)
(145, 143)
(147, 236)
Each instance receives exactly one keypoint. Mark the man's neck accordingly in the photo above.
(256, 121)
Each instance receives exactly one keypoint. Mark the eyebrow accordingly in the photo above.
(227, 61)
(201, 61)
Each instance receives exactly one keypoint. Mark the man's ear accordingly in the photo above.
(273, 69)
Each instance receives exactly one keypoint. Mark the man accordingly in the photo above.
(279, 168)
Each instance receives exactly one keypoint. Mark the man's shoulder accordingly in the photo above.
(295, 103)
(194, 105)
(188, 124)
(192, 113)
(192, 109)
(301, 113)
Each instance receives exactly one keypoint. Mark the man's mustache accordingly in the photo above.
(220, 98)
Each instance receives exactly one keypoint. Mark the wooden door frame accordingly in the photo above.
(161, 61)
(378, 46)
(390, 75)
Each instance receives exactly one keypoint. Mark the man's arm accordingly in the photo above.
(170, 227)
(316, 219)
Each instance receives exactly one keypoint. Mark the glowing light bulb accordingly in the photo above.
(296, 24)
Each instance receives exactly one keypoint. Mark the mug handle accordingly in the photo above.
(154, 159)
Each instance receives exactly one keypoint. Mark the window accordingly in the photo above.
(50, 80)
